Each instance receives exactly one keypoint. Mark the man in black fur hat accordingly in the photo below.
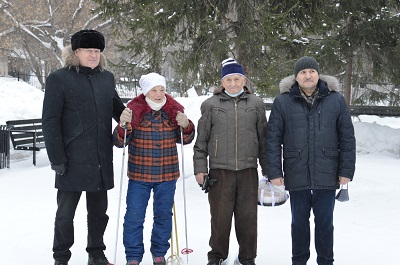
(79, 105)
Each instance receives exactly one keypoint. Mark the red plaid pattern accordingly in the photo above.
(153, 154)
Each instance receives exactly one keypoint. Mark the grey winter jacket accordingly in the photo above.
(231, 133)
(318, 144)
(78, 108)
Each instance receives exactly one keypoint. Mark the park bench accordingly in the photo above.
(27, 135)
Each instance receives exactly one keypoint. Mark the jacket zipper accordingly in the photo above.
(236, 128)
(319, 120)
(216, 146)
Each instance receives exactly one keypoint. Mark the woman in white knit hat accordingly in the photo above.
(153, 121)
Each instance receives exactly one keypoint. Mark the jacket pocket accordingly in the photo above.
(214, 146)
(251, 117)
(290, 158)
(291, 154)
(330, 153)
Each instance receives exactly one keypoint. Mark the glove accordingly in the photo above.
(182, 119)
(207, 183)
(60, 169)
(126, 117)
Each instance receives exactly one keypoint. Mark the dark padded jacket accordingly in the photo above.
(318, 143)
(78, 108)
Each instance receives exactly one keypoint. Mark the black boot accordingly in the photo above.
(100, 261)
(56, 262)
(215, 262)
(249, 262)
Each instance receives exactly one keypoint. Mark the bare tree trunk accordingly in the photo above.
(348, 78)
(348, 75)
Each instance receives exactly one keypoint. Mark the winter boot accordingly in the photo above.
(249, 262)
(133, 262)
(159, 261)
(57, 262)
(100, 261)
(215, 262)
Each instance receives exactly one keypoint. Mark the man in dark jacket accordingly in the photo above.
(230, 142)
(311, 121)
(79, 104)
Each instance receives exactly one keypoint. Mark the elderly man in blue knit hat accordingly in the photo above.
(310, 120)
(230, 143)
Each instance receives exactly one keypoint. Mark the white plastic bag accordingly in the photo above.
(271, 195)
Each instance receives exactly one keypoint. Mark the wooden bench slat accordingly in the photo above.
(18, 122)
(22, 133)
(28, 141)
(30, 127)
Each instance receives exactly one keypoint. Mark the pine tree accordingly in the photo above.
(193, 36)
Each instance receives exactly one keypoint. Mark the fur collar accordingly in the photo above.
(140, 107)
(331, 82)
(71, 61)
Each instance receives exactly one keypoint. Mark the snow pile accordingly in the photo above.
(19, 100)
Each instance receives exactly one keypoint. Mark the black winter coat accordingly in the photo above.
(78, 108)
(318, 143)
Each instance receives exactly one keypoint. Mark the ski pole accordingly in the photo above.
(174, 259)
(120, 195)
(186, 250)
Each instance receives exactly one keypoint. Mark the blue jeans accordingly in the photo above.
(322, 202)
(136, 201)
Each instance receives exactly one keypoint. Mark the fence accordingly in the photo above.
(30, 79)
(4, 147)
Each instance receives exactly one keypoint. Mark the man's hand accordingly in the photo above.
(60, 169)
(200, 178)
(277, 182)
(343, 180)
(182, 119)
(126, 117)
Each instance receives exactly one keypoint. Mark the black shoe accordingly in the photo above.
(100, 261)
(56, 262)
(215, 262)
(249, 262)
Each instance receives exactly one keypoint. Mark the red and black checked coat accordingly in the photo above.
(152, 138)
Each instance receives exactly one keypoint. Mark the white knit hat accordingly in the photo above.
(147, 82)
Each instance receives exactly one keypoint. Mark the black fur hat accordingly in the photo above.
(88, 39)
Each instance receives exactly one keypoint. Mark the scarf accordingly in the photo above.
(156, 106)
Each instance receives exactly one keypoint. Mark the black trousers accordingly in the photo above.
(97, 219)
(234, 194)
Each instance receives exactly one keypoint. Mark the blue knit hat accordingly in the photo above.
(230, 67)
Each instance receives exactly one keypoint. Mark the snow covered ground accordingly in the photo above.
(366, 227)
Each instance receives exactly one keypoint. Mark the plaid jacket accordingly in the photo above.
(152, 138)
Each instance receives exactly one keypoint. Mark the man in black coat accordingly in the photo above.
(79, 104)
(310, 120)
